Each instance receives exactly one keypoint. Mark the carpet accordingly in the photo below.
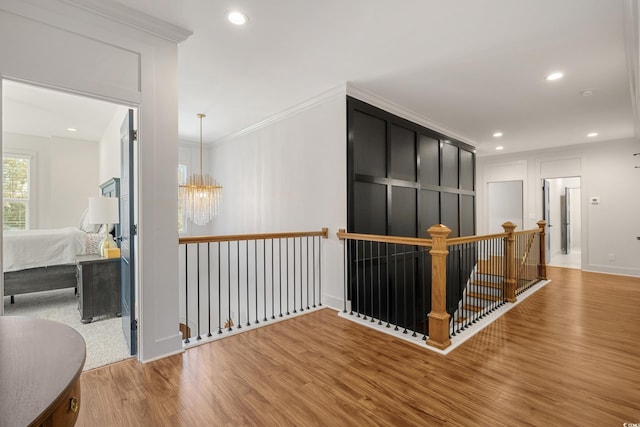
(103, 337)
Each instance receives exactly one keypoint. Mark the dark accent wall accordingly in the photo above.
(403, 178)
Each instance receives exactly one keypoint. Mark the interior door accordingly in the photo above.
(565, 214)
(128, 229)
(546, 197)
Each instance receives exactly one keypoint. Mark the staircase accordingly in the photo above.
(483, 292)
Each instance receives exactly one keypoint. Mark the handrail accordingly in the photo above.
(262, 236)
(413, 241)
(529, 244)
(472, 239)
(532, 231)
(416, 241)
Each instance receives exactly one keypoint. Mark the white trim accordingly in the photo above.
(333, 302)
(134, 18)
(617, 271)
(405, 113)
(153, 359)
(632, 46)
(289, 112)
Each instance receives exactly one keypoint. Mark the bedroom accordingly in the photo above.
(53, 162)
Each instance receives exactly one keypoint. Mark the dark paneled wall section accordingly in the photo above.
(402, 179)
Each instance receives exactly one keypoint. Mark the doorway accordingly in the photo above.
(562, 211)
(72, 147)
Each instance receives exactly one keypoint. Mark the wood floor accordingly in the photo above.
(568, 355)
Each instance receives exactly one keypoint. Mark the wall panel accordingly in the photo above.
(402, 179)
(426, 175)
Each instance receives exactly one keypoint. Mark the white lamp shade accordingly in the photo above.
(103, 210)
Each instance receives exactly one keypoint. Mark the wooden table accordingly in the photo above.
(40, 366)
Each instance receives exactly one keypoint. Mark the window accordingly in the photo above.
(16, 190)
(182, 179)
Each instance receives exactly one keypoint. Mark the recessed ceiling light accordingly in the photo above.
(499, 147)
(555, 76)
(592, 134)
(237, 18)
(497, 134)
(72, 129)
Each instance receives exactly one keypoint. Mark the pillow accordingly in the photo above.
(84, 223)
(103, 228)
(93, 243)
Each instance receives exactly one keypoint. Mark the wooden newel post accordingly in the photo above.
(438, 317)
(542, 268)
(510, 257)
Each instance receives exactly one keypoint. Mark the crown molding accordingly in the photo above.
(134, 18)
(632, 50)
(289, 112)
(399, 110)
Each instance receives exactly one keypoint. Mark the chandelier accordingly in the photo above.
(200, 196)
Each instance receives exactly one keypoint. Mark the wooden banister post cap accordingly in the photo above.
(542, 223)
(439, 230)
(509, 227)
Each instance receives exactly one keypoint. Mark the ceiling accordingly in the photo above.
(471, 67)
(46, 113)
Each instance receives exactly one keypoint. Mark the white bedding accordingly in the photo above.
(42, 248)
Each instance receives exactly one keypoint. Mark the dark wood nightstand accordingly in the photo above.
(98, 286)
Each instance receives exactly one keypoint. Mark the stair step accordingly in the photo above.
(494, 266)
(484, 296)
(470, 307)
(487, 284)
(484, 290)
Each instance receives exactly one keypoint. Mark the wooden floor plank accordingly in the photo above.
(568, 355)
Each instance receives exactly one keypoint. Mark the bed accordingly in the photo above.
(44, 260)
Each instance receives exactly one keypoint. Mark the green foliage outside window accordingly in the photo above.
(15, 190)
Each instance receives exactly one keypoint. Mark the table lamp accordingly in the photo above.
(104, 210)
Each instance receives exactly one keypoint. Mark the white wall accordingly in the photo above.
(504, 203)
(109, 148)
(65, 177)
(575, 218)
(289, 175)
(606, 170)
(131, 60)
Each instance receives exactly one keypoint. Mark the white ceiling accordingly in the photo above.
(31, 110)
(473, 67)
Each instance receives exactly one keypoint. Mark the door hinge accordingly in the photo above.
(134, 230)
(134, 135)
(134, 324)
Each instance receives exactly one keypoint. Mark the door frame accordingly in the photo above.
(136, 160)
(559, 225)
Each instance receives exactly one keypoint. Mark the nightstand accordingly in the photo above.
(98, 286)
